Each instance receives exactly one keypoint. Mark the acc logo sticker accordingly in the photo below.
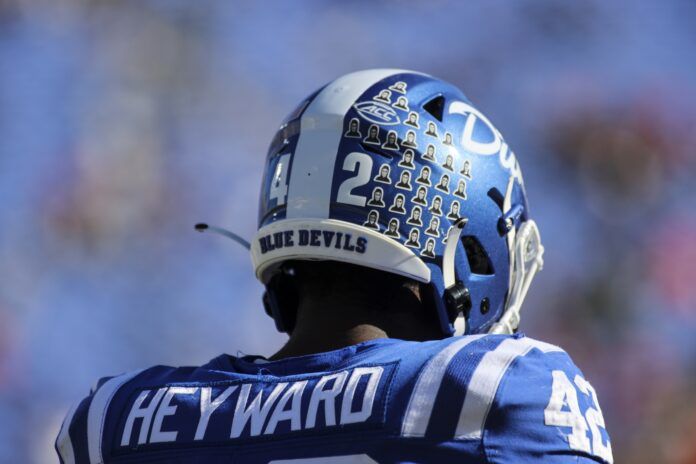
(377, 112)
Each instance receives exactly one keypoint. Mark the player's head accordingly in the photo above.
(318, 181)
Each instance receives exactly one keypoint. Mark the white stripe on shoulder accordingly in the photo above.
(64, 442)
(311, 175)
(485, 381)
(97, 414)
(420, 406)
(545, 347)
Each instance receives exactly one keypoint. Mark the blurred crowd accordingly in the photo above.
(122, 123)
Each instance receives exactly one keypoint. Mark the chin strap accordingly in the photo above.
(457, 296)
(526, 259)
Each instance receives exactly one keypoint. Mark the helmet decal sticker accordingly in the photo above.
(421, 197)
(373, 135)
(424, 178)
(413, 239)
(377, 112)
(454, 211)
(384, 96)
(372, 218)
(449, 163)
(432, 130)
(412, 120)
(466, 169)
(399, 86)
(383, 175)
(398, 205)
(401, 103)
(377, 198)
(448, 139)
(434, 227)
(393, 229)
(496, 146)
(410, 140)
(404, 181)
(430, 153)
(415, 219)
(461, 189)
(429, 251)
(390, 143)
(407, 159)
(353, 129)
(443, 185)
(436, 205)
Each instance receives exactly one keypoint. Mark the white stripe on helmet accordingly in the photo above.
(311, 177)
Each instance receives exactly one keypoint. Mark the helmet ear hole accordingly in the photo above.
(497, 197)
(479, 261)
(436, 107)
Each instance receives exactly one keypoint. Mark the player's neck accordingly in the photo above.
(329, 325)
(304, 342)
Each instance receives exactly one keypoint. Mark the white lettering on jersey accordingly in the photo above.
(255, 411)
(564, 411)
(328, 397)
(208, 407)
(260, 407)
(347, 415)
(145, 414)
(293, 414)
(166, 409)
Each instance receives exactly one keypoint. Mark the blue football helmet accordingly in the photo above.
(397, 171)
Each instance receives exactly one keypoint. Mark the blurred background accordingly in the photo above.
(122, 123)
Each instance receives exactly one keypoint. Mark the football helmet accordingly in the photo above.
(396, 170)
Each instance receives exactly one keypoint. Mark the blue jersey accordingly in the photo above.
(471, 399)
